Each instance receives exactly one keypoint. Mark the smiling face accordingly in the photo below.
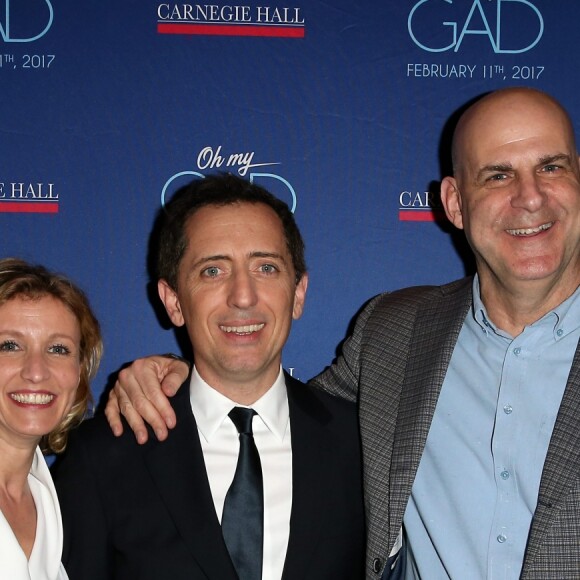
(237, 295)
(516, 193)
(39, 367)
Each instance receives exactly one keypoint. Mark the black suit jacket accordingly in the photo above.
(146, 512)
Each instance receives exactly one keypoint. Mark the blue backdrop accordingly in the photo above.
(341, 108)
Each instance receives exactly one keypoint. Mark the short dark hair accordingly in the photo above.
(18, 279)
(217, 190)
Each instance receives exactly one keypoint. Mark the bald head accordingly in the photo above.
(516, 194)
(502, 113)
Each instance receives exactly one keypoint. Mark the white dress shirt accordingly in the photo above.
(220, 445)
(44, 562)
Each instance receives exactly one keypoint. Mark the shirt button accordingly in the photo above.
(501, 538)
(559, 332)
(504, 474)
(507, 409)
(517, 351)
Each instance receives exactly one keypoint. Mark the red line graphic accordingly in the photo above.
(406, 215)
(231, 30)
(28, 207)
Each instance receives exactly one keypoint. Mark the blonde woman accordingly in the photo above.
(50, 348)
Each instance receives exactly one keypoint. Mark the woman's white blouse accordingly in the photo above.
(45, 559)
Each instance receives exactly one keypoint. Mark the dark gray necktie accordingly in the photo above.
(243, 515)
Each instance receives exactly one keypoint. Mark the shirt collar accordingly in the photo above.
(569, 314)
(565, 318)
(479, 312)
(211, 408)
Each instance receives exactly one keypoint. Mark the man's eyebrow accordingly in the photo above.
(505, 167)
(223, 257)
(274, 255)
(206, 259)
(555, 157)
(496, 168)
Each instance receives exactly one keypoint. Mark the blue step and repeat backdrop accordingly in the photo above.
(342, 108)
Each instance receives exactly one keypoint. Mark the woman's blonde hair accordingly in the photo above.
(18, 279)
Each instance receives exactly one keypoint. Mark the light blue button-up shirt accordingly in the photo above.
(477, 484)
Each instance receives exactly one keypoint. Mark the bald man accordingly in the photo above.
(469, 393)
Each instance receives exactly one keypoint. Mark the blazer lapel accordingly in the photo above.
(435, 334)
(178, 469)
(308, 478)
(562, 465)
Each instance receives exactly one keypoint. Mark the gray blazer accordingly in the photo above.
(394, 364)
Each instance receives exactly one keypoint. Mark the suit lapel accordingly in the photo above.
(178, 469)
(562, 465)
(309, 481)
(435, 334)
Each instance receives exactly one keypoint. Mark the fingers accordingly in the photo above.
(112, 412)
(119, 403)
(134, 413)
(139, 397)
(176, 372)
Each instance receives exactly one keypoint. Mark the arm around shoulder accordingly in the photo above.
(342, 377)
(140, 395)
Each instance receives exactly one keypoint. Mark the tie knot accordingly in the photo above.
(242, 419)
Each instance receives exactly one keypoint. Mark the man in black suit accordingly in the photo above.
(230, 267)
(469, 393)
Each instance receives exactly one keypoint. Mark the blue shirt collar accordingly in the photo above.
(564, 319)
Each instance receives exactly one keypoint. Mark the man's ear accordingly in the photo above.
(300, 297)
(451, 200)
(171, 302)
